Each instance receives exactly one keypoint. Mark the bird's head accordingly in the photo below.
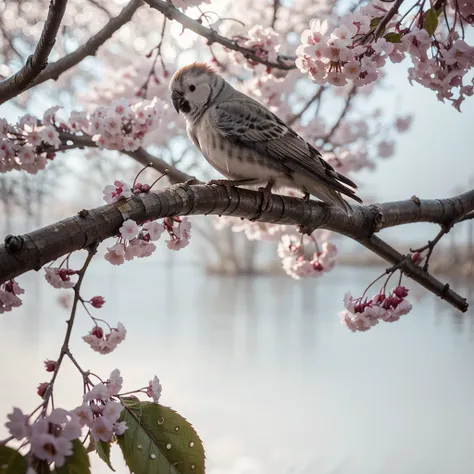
(191, 88)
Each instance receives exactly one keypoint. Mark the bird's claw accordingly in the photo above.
(267, 197)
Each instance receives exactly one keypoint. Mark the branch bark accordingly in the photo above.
(31, 251)
(172, 13)
(35, 63)
(54, 70)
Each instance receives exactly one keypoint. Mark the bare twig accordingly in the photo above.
(344, 111)
(33, 250)
(445, 228)
(311, 101)
(276, 6)
(70, 322)
(54, 70)
(35, 63)
(389, 15)
(171, 12)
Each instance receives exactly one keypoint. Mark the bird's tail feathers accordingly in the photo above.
(330, 196)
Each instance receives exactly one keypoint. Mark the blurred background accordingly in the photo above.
(258, 362)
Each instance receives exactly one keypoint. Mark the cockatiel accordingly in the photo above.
(250, 145)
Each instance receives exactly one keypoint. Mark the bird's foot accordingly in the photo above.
(306, 196)
(267, 196)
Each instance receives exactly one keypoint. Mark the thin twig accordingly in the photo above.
(70, 322)
(344, 111)
(54, 70)
(311, 101)
(276, 6)
(35, 63)
(385, 20)
(171, 12)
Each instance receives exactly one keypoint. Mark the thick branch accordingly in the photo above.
(31, 251)
(171, 12)
(35, 63)
(54, 70)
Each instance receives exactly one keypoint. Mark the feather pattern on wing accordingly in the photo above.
(247, 123)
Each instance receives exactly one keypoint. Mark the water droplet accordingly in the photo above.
(153, 456)
(168, 446)
(176, 428)
(139, 446)
(191, 444)
(193, 466)
(161, 421)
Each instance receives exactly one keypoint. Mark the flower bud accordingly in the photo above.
(97, 302)
(50, 365)
(42, 387)
(401, 291)
(98, 332)
(416, 258)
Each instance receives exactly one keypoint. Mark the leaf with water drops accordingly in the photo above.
(11, 461)
(103, 451)
(77, 463)
(159, 440)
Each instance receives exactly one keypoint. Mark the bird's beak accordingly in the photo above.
(177, 98)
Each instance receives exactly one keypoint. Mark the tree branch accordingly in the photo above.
(172, 13)
(276, 6)
(35, 63)
(54, 70)
(31, 251)
(309, 103)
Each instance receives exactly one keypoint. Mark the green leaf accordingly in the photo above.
(393, 37)
(375, 21)
(77, 463)
(11, 461)
(159, 440)
(430, 21)
(103, 451)
(41, 467)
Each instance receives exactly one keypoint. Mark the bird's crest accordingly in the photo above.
(193, 69)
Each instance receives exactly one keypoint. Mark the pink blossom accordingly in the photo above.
(154, 229)
(49, 114)
(50, 448)
(105, 343)
(129, 229)
(116, 254)
(59, 278)
(97, 301)
(386, 149)
(84, 414)
(102, 429)
(154, 389)
(18, 425)
(112, 410)
(118, 191)
(50, 365)
(98, 392)
(115, 382)
(50, 136)
(9, 299)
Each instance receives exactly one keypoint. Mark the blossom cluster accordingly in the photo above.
(136, 240)
(50, 437)
(297, 265)
(99, 412)
(28, 144)
(361, 314)
(59, 277)
(355, 51)
(9, 299)
(105, 343)
(264, 42)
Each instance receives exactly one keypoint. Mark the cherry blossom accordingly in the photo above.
(129, 229)
(119, 190)
(361, 314)
(18, 425)
(97, 301)
(59, 277)
(154, 389)
(105, 343)
(9, 299)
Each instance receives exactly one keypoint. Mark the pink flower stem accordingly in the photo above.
(140, 172)
(367, 289)
(165, 172)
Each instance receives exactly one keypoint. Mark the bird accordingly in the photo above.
(250, 145)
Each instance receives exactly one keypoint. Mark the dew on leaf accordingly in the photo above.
(168, 446)
(152, 456)
(193, 466)
(139, 446)
(161, 420)
(176, 428)
(191, 444)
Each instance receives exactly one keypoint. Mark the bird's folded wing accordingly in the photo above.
(248, 124)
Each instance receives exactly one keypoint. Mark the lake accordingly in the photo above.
(262, 367)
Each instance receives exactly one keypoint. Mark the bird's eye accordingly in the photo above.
(192, 87)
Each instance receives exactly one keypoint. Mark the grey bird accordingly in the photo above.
(250, 145)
